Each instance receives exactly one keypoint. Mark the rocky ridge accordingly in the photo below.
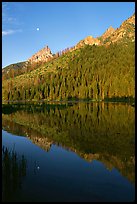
(107, 33)
(43, 55)
(88, 41)
(124, 33)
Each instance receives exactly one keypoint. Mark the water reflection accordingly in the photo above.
(104, 132)
(13, 172)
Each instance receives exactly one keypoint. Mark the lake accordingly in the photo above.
(71, 152)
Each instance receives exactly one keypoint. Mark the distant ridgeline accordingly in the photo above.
(95, 69)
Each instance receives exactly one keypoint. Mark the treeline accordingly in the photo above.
(17, 69)
(93, 72)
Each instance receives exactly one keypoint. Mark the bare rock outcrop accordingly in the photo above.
(88, 41)
(107, 33)
(43, 55)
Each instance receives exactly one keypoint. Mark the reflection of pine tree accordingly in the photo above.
(13, 170)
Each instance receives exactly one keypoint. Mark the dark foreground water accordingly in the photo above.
(71, 152)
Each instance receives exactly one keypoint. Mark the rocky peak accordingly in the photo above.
(41, 56)
(125, 32)
(130, 20)
(88, 41)
(107, 33)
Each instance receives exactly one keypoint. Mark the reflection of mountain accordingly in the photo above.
(104, 132)
(44, 143)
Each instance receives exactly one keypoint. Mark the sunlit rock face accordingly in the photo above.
(41, 56)
(107, 33)
(125, 32)
(88, 41)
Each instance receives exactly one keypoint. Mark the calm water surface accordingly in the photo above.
(72, 152)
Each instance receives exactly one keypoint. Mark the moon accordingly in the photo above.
(37, 29)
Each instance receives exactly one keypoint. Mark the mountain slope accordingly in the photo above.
(93, 72)
(32, 63)
(125, 32)
(107, 33)
(13, 70)
(88, 71)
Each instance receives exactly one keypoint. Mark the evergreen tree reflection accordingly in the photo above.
(13, 171)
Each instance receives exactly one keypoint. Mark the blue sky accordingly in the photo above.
(61, 25)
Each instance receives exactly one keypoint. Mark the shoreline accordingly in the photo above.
(132, 102)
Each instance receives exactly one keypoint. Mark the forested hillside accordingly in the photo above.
(100, 68)
(92, 72)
